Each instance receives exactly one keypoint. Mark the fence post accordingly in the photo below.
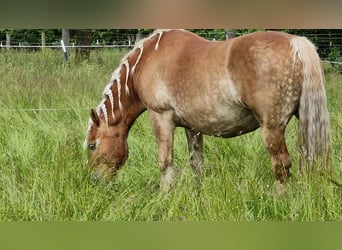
(65, 51)
(8, 41)
(65, 43)
(229, 34)
(43, 40)
(66, 37)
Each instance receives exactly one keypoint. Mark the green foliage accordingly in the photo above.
(42, 160)
(335, 54)
(336, 61)
(31, 36)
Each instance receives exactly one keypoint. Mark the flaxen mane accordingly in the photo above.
(115, 80)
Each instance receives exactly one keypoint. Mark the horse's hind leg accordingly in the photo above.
(195, 146)
(163, 127)
(274, 140)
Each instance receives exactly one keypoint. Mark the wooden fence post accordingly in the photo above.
(8, 41)
(66, 37)
(43, 39)
(65, 43)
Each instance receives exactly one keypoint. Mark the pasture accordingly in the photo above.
(44, 109)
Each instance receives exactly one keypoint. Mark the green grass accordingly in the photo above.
(42, 174)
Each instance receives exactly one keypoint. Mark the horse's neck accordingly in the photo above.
(132, 113)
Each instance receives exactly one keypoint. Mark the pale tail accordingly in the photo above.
(313, 112)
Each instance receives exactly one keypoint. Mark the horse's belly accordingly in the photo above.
(229, 122)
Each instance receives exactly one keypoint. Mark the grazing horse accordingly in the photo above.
(218, 88)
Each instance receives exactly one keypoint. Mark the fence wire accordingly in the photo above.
(79, 46)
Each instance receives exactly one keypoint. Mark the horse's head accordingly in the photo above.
(120, 106)
(107, 146)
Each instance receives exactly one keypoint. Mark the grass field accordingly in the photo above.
(42, 175)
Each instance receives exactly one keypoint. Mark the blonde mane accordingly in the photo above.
(116, 77)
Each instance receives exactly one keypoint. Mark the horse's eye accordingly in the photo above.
(92, 146)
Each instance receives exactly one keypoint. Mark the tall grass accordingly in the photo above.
(42, 174)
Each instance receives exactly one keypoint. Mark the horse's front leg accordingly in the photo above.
(163, 127)
(195, 146)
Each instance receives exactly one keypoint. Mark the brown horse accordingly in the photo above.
(217, 88)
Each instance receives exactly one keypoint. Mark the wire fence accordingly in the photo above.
(128, 46)
(123, 44)
(124, 39)
(331, 62)
(20, 46)
(42, 109)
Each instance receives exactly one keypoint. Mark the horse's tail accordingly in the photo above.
(313, 112)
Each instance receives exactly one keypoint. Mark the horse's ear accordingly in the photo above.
(94, 117)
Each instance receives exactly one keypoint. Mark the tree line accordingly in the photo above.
(328, 41)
